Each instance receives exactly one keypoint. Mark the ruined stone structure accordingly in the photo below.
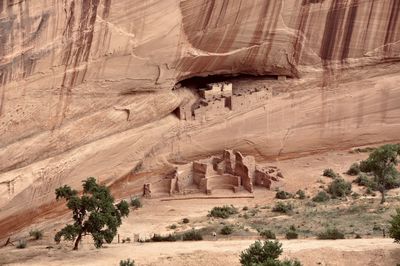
(232, 171)
(220, 98)
(184, 111)
(147, 190)
(245, 99)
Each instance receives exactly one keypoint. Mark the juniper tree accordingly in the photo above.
(382, 163)
(94, 213)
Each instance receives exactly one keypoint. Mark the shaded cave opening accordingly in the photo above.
(203, 81)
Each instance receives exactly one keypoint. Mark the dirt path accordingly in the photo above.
(310, 252)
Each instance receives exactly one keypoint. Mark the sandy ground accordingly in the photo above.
(218, 253)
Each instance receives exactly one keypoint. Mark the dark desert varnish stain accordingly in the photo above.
(76, 52)
(302, 21)
(393, 26)
(107, 6)
(349, 26)
(333, 25)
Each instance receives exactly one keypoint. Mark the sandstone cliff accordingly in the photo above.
(86, 85)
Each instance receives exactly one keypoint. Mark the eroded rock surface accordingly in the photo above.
(86, 86)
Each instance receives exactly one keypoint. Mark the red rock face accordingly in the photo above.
(86, 85)
(262, 37)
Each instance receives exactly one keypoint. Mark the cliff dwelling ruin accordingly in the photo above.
(219, 97)
(229, 171)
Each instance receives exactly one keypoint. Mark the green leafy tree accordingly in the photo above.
(382, 164)
(94, 213)
(265, 254)
(394, 230)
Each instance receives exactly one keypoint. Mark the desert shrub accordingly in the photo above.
(291, 233)
(227, 230)
(331, 233)
(364, 167)
(365, 181)
(282, 207)
(128, 239)
(329, 173)
(253, 212)
(339, 188)
(172, 226)
(167, 238)
(136, 202)
(366, 149)
(265, 254)
(354, 169)
(394, 229)
(21, 244)
(322, 196)
(127, 262)
(267, 234)
(36, 234)
(358, 236)
(245, 208)
(283, 195)
(369, 191)
(192, 235)
(376, 227)
(185, 220)
(301, 194)
(355, 195)
(223, 212)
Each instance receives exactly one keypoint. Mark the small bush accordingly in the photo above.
(331, 234)
(365, 181)
(36, 234)
(245, 208)
(127, 262)
(192, 235)
(223, 212)
(301, 194)
(128, 239)
(376, 227)
(267, 234)
(369, 191)
(354, 169)
(282, 207)
(358, 236)
(355, 195)
(291, 234)
(322, 196)
(21, 244)
(185, 220)
(366, 149)
(136, 202)
(329, 173)
(265, 254)
(167, 238)
(364, 167)
(283, 195)
(227, 230)
(172, 226)
(394, 229)
(339, 188)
